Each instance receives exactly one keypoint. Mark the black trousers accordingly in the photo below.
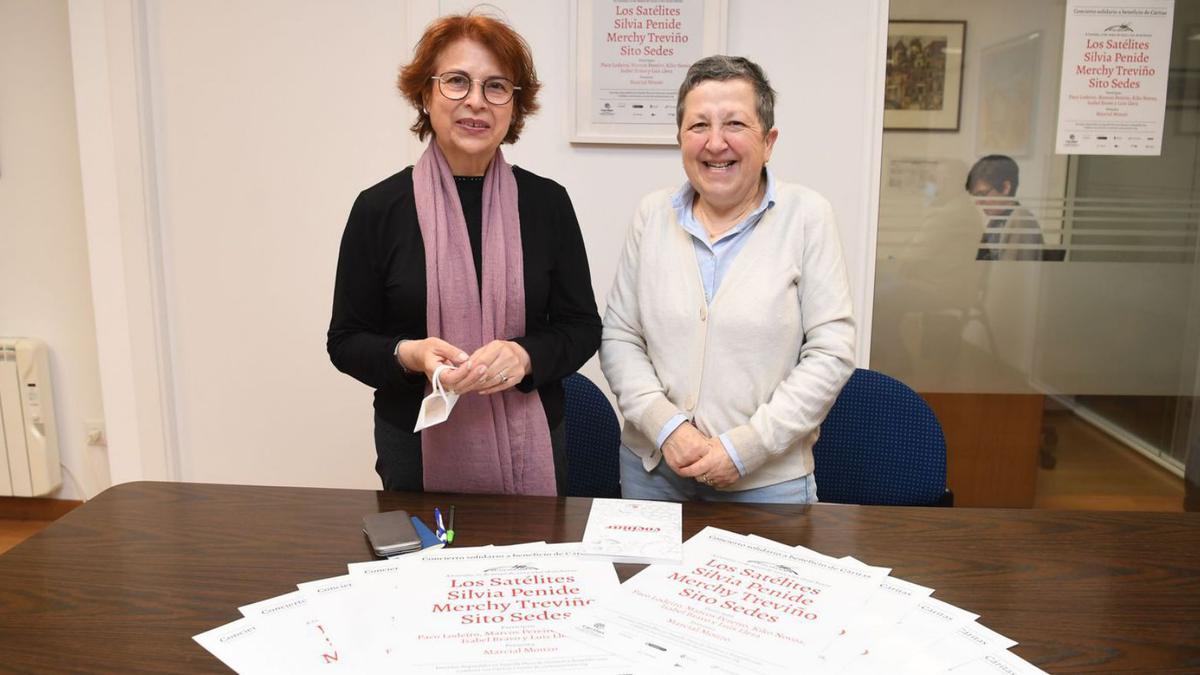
(398, 457)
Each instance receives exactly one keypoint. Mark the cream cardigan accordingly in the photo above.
(763, 362)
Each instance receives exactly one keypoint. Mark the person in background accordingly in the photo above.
(993, 182)
(464, 260)
(729, 329)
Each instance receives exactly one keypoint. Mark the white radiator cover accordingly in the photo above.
(29, 465)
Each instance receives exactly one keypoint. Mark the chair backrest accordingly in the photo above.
(593, 440)
(881, 444)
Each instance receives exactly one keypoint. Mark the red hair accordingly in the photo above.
(509, 49)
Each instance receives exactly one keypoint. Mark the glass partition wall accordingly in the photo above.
(1045, 305)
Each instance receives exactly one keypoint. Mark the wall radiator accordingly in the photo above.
(28, 436)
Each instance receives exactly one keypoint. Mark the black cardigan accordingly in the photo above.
(379, 294)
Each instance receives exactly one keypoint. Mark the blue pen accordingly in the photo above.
(441, 529)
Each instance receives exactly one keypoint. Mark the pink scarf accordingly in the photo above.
(500, 443)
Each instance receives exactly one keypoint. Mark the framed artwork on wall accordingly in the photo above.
(629, 59)
(1008, 96)
(923, 85)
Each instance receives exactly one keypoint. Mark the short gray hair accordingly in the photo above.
(721, 68)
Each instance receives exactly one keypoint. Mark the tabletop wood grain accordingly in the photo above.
(123, 582)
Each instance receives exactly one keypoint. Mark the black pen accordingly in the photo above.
(450, 527)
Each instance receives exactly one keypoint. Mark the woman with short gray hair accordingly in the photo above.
(729, 330)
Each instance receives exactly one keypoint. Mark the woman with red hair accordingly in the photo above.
(470, 272)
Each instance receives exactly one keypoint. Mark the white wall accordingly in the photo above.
(44, 287)
(267, 118)
(270, 117)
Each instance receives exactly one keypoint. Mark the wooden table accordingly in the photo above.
(123, 582)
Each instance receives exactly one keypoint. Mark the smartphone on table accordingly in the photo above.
(391, 533)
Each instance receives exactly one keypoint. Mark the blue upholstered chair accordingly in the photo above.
(881, 444)
(593, 441)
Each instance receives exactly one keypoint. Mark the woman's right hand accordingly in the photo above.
(424, 356)
(684, 446)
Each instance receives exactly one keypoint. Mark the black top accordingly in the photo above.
(379, 295)
(470, 196)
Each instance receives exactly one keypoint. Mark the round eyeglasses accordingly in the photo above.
(456, 86)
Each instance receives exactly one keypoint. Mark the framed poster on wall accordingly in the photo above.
(629, 59)
(1113, 86)
(1008, 96)
(923, 84)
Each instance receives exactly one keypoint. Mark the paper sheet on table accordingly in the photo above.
(297, 635)
(341, 611)
(736, 604)
(928, 622)
(998, 663)
(634, 531)
(501, 609)
(880, 616)
(969, 643)
(240, 645)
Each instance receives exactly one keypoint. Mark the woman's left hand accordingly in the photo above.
(496, 366)
(714, 469)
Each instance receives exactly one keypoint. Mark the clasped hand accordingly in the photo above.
(691, 454)
(494, 367)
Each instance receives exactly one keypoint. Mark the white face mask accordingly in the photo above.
(436, 407)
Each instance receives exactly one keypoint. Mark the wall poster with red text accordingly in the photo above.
(1113, 93)
(630, 57)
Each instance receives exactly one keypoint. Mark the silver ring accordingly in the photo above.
(503, 378)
